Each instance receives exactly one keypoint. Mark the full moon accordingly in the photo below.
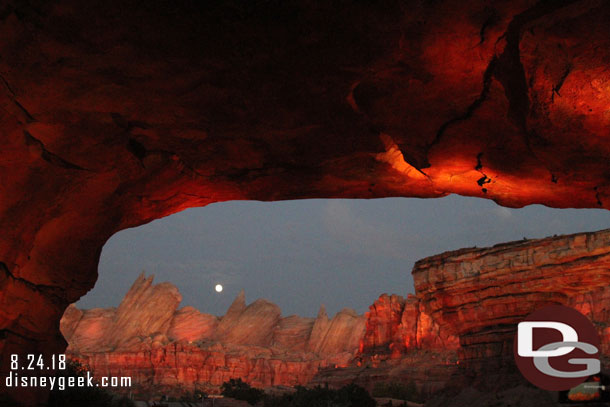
(218, 288)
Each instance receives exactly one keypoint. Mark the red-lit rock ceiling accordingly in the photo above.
(114, 113)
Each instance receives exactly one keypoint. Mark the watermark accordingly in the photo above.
(61, 382)
(27, 371)
(557, 348)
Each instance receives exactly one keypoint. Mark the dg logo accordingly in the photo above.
(557, 348)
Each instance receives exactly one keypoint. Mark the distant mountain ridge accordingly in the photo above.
(251, 341)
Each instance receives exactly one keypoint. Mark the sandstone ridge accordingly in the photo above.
(164, 348)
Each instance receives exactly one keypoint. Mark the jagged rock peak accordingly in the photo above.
(322, 313)
(238, 305)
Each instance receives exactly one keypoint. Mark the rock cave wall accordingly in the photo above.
(114, 113)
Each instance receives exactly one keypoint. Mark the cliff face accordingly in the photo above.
(458, 329)
(479, 295)
(397, 326)
(401, 343)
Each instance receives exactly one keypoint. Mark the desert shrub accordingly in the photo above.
(398, 390)
(240, 390)
(284, 400)
(122, 402)
(314, 397)
(347, 396)
(355, 396)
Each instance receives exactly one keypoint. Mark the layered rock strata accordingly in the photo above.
(396, 326)
(479, 295)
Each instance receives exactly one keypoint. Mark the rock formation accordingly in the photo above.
(172, 351)
(342, 333)
(254, 325)
(480, 295)
(146, 310)
(293, 333)
(190, 325)
(458, 329)
(114, 114)
(396, 326)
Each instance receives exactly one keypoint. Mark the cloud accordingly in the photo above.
(362, 235)
(502, 212)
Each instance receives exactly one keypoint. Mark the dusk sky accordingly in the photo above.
(300, 254)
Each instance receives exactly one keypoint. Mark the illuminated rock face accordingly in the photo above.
(188, 325)
(115, 114)
(179, 368)
(185, 349)
(397, 326)
(146, 310)
(458, 329)
(166, 350)
(479, 295)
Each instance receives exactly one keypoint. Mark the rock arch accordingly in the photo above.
(114, 114)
